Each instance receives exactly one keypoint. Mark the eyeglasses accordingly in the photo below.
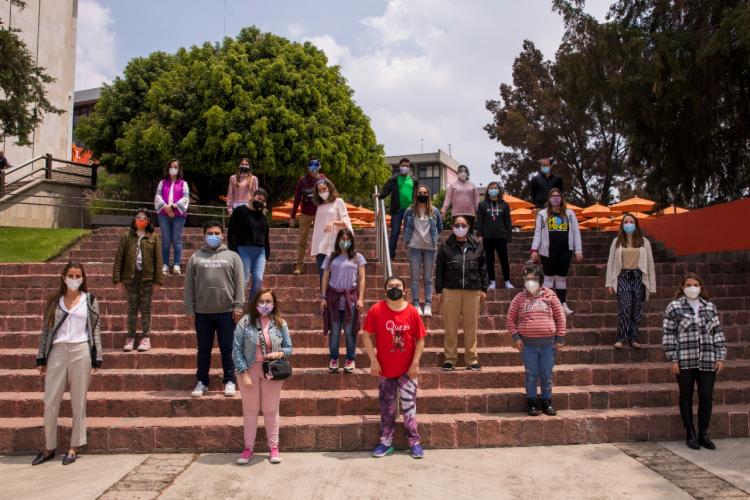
(460, 226)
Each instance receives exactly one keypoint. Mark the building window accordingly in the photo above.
(430, 177)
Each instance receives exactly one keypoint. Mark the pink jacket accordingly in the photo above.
(462, 198)
(242, 193)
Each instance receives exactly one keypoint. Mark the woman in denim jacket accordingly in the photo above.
(262, 316)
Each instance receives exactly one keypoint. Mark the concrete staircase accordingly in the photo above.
(140, 401)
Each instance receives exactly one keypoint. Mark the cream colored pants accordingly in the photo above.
(461, 308)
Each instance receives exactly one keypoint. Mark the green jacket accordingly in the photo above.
(124, 268)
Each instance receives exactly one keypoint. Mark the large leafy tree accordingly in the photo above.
(258, 96)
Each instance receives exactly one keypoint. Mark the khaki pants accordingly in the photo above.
(305, 223)
(67, 364)
(461, 308)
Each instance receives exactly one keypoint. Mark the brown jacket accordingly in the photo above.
(124, 268)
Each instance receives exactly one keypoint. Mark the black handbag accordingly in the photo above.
(277, 369)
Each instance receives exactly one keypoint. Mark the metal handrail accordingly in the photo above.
(18, 167)
(381, 235)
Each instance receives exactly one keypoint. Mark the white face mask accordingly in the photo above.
(531, 285)
(73, 284)
(324, 195)
(463, 176)
(174, 171)
(692, 292)
(460, 231)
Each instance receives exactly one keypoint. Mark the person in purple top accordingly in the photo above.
(171, 203)
(342, 298)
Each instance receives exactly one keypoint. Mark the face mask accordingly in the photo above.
(531, 285)
(395, 293)
(423, 198)
(324, 195)
(313, 166)
(244, 169)
(141, 224)
(173, 172)
(692, 292)
(460, 231)
(555, 201)
(628, 227)
(258, 205)
(403, 170)
(264, 309)
(73, 284)
(463, 176)
(493, 192)
(213, 240)
(345, 244)
(546, 170)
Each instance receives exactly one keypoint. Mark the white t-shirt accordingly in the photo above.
(74, 329)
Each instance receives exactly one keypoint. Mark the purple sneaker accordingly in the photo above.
(416, 451)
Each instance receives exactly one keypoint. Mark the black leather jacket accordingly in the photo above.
(461, 267)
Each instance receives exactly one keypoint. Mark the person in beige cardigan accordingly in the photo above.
(632, 276)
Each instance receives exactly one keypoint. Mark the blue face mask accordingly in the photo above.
(313, 166)
(345, 244)
(628, 227)
(493, 192)
(213, 240)
(546, 170)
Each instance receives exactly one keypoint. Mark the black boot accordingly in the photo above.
(705, 441)
(547, 408)
(531, 407)
(692, 439)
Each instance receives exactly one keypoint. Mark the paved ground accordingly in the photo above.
(647, 470)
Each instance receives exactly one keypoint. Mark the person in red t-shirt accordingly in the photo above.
(399, 339)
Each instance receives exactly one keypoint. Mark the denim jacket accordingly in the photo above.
(436, 225)
(246, 336)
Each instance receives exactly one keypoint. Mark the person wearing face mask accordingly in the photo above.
(214, 297)
(495, 229)
(171, 203)
(399, 335)
(536, 322)
(462, 198)
(138, 266)
(631, 275)
(261, 330)
(249, 236)
(543, 182)
(242, 186)
(304, 201)
(422, 227)
(70, 349)
(330, 217)
(461, 277)
(402, 188)
(556, 237)
(342, 298)
(696, 349)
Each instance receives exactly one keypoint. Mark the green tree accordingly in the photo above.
(258, 96)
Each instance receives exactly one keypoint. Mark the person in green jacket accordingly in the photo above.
(138, 266)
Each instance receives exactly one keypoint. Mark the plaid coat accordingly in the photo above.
(696, 341)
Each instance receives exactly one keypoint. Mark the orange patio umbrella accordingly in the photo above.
(596, 210)
(514, 202)
(528, 227)
(574, 208)
(637, 215)
(612, 229)
(672, 210)
(596, 222)
(634, 204)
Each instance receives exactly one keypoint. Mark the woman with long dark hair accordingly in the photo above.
(70, 347)
(330, 217)
(496, 231)
(171, 203)
(242, 186)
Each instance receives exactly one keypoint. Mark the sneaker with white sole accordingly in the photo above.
(245, 457)
(275, 458)
(230, 389)
(333, 365)
(144, 345)
(199, 390)
(427, 313)
(165, 269)
(176, 270)
(419, 309)
(492, 286)
(567, 309)
(349, 366)
(509, 285)
(129, 344)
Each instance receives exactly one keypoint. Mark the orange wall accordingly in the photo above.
(720, 228)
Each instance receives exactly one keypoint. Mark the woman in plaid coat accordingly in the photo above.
(696, 348)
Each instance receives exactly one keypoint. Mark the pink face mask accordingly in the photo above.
(555, 201)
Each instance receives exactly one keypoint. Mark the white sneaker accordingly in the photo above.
(427, 311)
(176, 269)
(492, 286)
(567, 309)
(199, 390)
(419, 309)
(165, 269)
(509, 285)
(230, 390)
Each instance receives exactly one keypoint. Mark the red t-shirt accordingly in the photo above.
(396, 334)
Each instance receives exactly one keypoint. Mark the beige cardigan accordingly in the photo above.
(645, 264)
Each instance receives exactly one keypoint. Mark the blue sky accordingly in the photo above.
(421, 69)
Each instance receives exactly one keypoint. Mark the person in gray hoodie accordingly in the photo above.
(214, 296)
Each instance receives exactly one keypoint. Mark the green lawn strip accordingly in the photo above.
(31, 244)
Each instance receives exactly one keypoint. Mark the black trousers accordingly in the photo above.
(686, 381)
(499, 246)
(207, 326)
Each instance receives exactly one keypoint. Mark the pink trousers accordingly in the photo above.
(264, 395)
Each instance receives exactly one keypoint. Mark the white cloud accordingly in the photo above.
(95, 47)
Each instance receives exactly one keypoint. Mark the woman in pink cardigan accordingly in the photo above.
(462, 198)
(242, 186)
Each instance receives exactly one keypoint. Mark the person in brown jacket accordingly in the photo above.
(138, 266)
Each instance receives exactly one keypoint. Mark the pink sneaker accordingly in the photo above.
(275, 458)
(349, 366)
(129, 344)
(245, 457)
(144, 345)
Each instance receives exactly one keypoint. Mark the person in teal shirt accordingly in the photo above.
(402, 188)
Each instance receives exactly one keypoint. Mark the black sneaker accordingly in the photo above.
(531, 407)
(447, 367)
(476, 367)
(547, 408)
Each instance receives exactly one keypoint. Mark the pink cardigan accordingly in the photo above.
(242, 193)
(462, 198)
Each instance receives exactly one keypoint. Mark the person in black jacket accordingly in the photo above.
(402, 188)
(249, 237)
(461, 277)
(496, 231)
(543, 182)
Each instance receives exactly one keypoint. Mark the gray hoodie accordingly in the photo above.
(214, 281)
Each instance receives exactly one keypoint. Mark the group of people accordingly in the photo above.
(252, 334)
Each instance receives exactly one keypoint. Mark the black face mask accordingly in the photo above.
(244, 170)
(258, 205)
(395, 293)
(423, 198)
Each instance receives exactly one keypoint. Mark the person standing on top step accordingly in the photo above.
(70, 348)
(696, 349)
(342, 298)
(138, 266)
(462, 198)
(461, 276)
(330, 217)
(543, 182)
(214, 297)
(496, 231)
(402, 188)
(556, 237)
(632, 276)
(304, 195)
(422, 227)
(4, 161)
(399, 340)
(536, 321)
(171, 203)
(249, 236)
(242, 186)
(261, 335)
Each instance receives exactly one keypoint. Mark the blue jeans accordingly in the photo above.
(396, 220)
(254, 266)
(206, 327)
(538, 361)
(171, 235)
(421, 263)
(337, 321)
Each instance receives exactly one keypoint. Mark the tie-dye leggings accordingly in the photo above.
(407, 390)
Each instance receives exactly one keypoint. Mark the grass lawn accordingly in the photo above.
(31, 244)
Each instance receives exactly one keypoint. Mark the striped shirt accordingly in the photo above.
(537, 317)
